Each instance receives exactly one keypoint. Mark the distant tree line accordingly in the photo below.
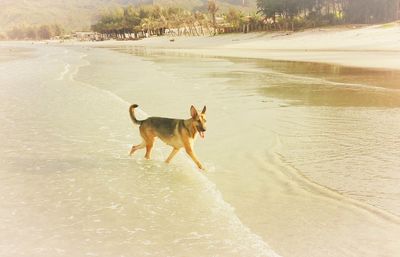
(135, 22)
(143, 21)
(371, 11)
(41, 32)
(306, 13)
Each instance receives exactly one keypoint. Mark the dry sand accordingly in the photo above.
(376, 46)
(9, 53)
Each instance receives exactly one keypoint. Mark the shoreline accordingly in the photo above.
(375, 46)
(11, 53)
(357, 59)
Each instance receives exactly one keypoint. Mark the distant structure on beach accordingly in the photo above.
(87, 36)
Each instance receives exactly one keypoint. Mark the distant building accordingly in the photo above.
(86, 36)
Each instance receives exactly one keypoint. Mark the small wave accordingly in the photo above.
(244, 233)
(64, 72)
(85, 63)
(315, 80)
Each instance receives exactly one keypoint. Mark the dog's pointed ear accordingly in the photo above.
(193, 112)
(204, 109)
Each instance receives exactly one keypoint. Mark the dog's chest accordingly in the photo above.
(173, 141)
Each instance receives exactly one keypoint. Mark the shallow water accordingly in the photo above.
(302, 159)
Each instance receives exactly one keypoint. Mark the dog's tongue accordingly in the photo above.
(201, 134)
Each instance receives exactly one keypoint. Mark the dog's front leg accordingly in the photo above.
(194, 158)
(190, 152)
(172, 154)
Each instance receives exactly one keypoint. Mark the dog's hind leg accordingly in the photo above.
(137, 147)
(149, 146)
(172, 154)
(148, 138)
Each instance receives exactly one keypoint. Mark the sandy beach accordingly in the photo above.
(9, 53)
(301, 157)
(376, 46)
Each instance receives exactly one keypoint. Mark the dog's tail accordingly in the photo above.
(132, 113)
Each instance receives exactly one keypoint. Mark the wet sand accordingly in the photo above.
(375, 46)
(10, 53)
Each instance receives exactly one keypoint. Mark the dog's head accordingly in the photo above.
(199, 120)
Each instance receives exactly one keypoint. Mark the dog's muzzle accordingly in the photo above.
(201, 131)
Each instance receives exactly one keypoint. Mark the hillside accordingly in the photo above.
(80, 14)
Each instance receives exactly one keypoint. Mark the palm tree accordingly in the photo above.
(200, 18)
(234, 18)
(212, 9)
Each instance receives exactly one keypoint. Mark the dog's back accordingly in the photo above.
(163, 127)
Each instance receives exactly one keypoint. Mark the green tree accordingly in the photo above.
(16, 33)
(270, 8)
(31, 33)
(234, 17)
(213, 9)
(370, 11)
(57, 30)
(44, 32)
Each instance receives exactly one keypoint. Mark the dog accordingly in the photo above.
(177, 133)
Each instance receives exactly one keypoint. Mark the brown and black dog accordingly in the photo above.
(177, 133)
